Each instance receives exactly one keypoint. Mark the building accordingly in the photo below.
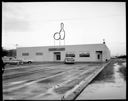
(81, 53)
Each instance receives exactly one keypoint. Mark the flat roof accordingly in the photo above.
(99, 44)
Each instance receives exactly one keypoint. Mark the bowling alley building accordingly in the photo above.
(81, 53)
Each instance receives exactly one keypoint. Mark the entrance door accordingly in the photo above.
(99, 55)
(57, 56)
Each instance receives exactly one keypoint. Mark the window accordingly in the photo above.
(39, 53)
(84, 54)
(25, 54)
(70, 54)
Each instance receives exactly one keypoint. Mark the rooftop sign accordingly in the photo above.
(56, 49)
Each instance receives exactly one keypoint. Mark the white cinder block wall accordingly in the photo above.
(49, 55)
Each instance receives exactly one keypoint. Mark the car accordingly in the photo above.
(69, 60)
(27, 61)
(13, 62)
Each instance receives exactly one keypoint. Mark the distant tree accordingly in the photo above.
(4, 52)
(121, 56)
(11, 52)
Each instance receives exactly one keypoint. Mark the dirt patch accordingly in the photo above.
(106, 74)
(122, 70)
(120, 61)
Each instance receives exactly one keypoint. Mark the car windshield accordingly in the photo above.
(69, 58)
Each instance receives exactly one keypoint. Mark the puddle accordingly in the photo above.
(103, 89)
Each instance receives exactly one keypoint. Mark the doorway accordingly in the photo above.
(57, 56)
(99, 55)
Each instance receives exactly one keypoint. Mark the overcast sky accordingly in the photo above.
(34, 23)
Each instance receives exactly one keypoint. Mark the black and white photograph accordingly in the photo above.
(63, 50)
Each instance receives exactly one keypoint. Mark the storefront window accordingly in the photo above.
(70, 54)
(25, 54)
(84, 54)
(39, 53)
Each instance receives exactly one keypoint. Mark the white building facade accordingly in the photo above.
(81, 53)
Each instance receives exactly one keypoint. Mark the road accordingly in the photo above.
(39, 81)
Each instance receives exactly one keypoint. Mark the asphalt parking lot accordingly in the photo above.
(39, 81)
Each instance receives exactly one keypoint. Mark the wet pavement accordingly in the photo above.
(52, 81)
(46, 81)
(109, 84)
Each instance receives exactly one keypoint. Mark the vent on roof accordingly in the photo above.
(103, 41)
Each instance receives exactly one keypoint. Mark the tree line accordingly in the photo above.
(121, 56)
(10, 53)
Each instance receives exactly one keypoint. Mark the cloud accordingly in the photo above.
(14, 18)
(13, 24)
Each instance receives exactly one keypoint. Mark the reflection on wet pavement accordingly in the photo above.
(34, 85)
(103, 89)
(57, 81)
(51, 83)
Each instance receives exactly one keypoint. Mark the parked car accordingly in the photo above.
(27, 61)
(69, 60)
(17, 62)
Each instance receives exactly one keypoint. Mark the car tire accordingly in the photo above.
(29, 62)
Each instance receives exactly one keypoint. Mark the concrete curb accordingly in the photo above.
(75, 92)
